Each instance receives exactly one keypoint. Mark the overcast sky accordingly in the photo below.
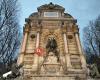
(82, 10)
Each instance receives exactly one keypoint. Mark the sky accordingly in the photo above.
(82, 10)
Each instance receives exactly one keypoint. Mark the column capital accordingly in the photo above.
(63, 28)
(76, 33)
(64, 31)
(39, 31)
(26, 28)
(76, 29)
(39, 27)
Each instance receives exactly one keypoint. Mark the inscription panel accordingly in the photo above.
(51, 14)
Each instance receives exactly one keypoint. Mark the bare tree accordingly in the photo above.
(91, 42)
(9, 30)
(91, 37)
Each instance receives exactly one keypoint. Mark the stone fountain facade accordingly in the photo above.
(51, 22)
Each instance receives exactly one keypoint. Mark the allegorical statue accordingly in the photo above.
(52, 47)
(14, 73)
(93, 71)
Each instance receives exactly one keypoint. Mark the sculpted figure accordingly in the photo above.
(93, 72)
(14, 73)
(52, 47)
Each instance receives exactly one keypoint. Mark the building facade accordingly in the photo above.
(51, 47)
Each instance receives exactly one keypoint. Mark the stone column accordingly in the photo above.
(66, 51)
(80, 50)
(35, 65)
(37, 40)
(23, 48)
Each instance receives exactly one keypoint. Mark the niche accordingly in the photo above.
(70, 38)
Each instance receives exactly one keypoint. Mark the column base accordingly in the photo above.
(34, 67)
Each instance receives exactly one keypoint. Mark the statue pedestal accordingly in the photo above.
(51, 65)
(52, 69)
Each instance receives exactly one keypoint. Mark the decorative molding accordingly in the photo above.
(51, 6)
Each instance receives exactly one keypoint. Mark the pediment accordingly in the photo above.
(50, 6)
